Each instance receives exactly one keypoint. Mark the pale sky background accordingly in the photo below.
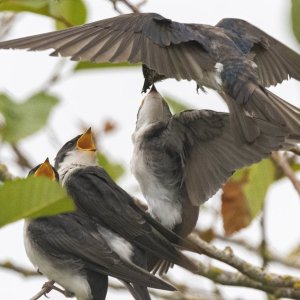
(115, 94)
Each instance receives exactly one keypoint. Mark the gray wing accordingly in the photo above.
(276, 62)
(171, 49)
(75, 239)
(210, 153)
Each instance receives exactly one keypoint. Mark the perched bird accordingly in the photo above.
(97, 195)
(181, 160)
(78, 253)
(235, 58)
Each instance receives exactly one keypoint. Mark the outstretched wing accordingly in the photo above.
(276, 62)
(211, 154)
(171, 49)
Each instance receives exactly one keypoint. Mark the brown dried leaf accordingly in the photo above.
(109, 126)
(235, 212)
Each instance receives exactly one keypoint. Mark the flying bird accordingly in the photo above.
(79, 254)
(97, 195)
(235, 58)
(182, 160)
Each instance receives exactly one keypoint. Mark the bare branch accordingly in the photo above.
(256, 273)
(47, 287)
(6, 22)
(281, 161)
(272, 257)
(132, 7)
(142, 3)
(20, 270)
(295, 150)
(21, 159)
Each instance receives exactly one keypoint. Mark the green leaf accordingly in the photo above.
(73, 12)
(67, 13)
(24, 119)
(34, 6)
(84, 65)
(32, 197)
(261, 176)
(115, 170)
(176, 105)
(256, 181)
(295, 14)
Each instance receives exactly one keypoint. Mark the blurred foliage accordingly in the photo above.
(295, 14)
(85, 65)
(26, 118)
(176, 105)
(115, 170)
(66, 12)
(32, 197)
(244, 194)
(74, 11)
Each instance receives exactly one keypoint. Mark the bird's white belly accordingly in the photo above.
(67, 278)
(161, 201)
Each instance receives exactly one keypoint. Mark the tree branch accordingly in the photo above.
(256, 273)
(281, 161)
(271, 256)
(47, 287)
(132, 7)
(20, 270)
(21, 159)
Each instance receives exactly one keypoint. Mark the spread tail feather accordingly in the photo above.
(267, 106)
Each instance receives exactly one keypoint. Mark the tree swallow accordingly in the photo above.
(235, 58)
(78, 253)
(97, 195)
(182, 160)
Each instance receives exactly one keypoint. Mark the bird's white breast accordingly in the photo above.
(162, 203)
(66, 277)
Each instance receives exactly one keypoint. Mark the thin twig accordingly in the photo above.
(6, 22)
(263, 245)
(21, 159)
(55, 77)
(20, 270)
(47, 287)
(130, 5)
(295, 150)
(142, 3)
(282, 162)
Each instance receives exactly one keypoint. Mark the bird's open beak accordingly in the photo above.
(45, 169)
(86, 141)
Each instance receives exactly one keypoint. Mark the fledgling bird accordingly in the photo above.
(235, 58)
(79, 254)
(97, 195)
(182, 160)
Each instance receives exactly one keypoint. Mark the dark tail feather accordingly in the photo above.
(267, 106)
(138, 292)
(141, 292)
(243, 127)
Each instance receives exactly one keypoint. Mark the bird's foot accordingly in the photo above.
(47, 287)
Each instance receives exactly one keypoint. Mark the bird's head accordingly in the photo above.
(153, 109)
(80, 150)
(44, 170)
